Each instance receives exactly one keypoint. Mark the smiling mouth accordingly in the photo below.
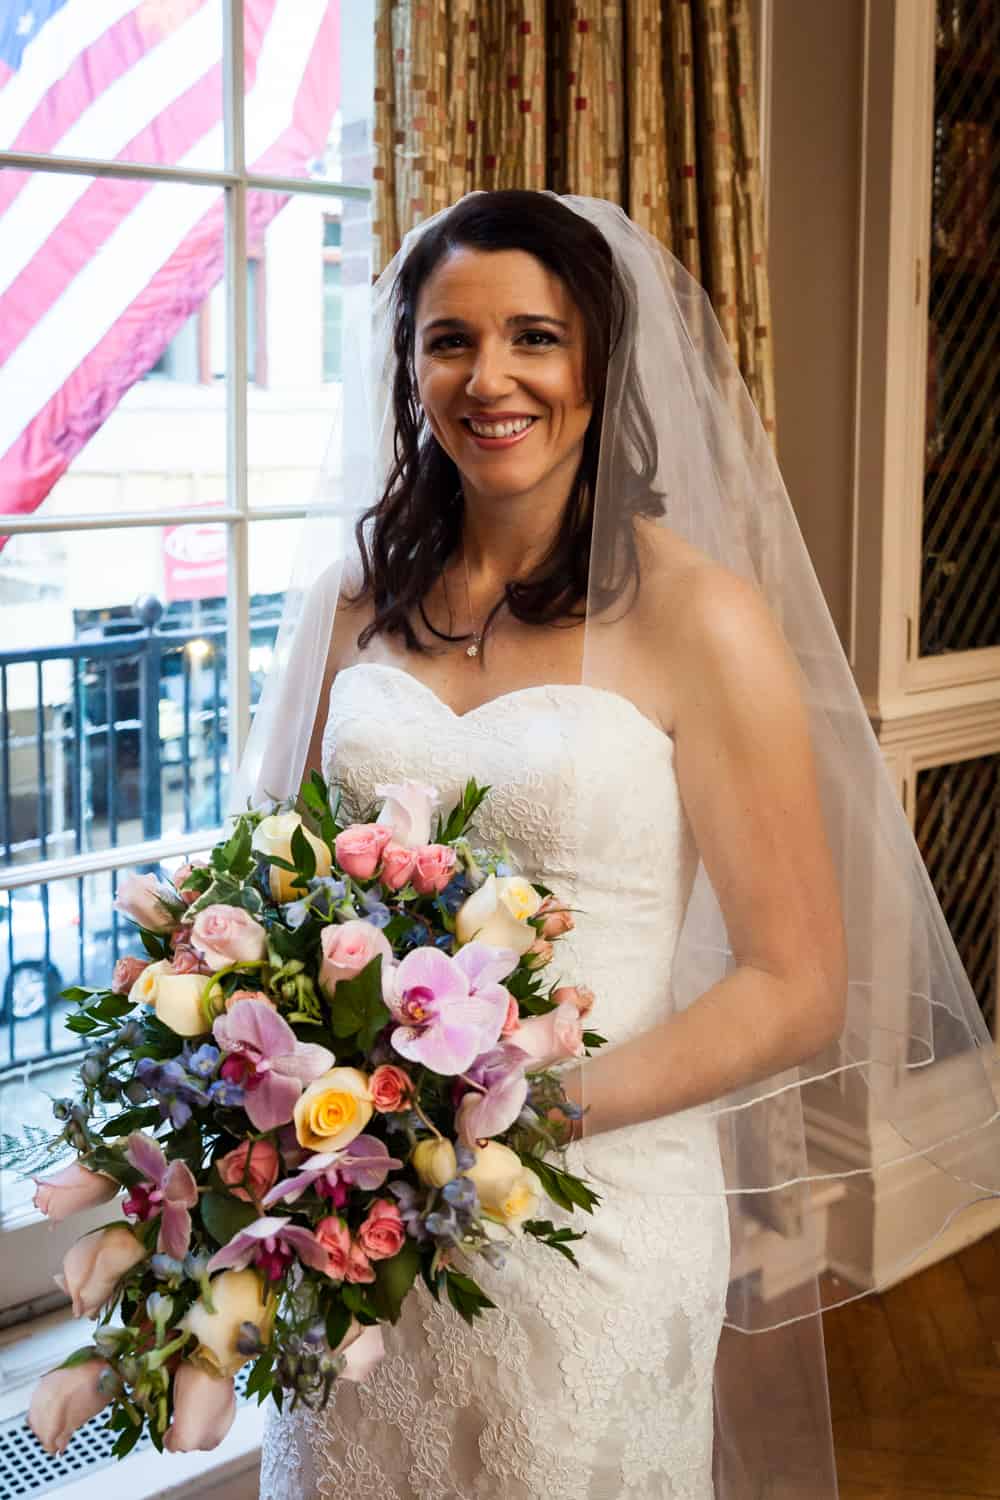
(500, 431)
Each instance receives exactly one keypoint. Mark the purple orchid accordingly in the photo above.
(266, 1059)
(168, 1189)
(449, 1009)
(272, 1244)
(498, 1097)
(365, 1163)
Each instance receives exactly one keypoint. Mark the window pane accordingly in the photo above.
(319, 73)
(103, 283)
(113, 721)
(138, 82)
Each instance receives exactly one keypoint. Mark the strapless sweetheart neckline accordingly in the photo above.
(513, 694)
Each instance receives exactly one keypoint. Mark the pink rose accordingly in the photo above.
(397, 865)
(578, 995)
(72, 1189)
(359, 1268)
(149, 902)
(382, 1234)
(513, 1018)
(550, 1038)
(63, 1400)
(539, 954)
(94, 1266)
(359, 848)
(125, 974)
(257, 995)
(204, 1410)
(558, 920)
(433, 869)
(226, 935)
(186, 961)
(251, 1170)
(335, 1237)
(347, 949)
(390, 1089)
(184, 872)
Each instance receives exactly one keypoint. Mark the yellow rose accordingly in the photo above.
(495, 1172)
(521, 1202)
(434, 1161)
(333, 1110)
(178, 1002)
(273, 837)
(143, 992)
(238, 1297)
(498, 913)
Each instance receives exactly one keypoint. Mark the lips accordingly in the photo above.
(500, 432)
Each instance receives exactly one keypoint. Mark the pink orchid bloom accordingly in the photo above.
(449, 1009)
(267, 1060)
(365, 1163)
(272, 1244)
(493, 1107)
(168, 1189)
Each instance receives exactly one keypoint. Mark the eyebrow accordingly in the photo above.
(518, 320)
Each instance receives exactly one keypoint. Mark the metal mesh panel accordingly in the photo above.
(958, 831)
(960, 584)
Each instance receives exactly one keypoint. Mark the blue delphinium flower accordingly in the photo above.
(455, 894)
(202, 1061)
(227, 1095)
(175, 1090)
(376, 911)
(295, 913)
(411, 1202)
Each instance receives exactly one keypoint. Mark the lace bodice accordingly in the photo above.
(587, 1384)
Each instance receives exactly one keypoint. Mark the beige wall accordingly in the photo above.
(814, 80)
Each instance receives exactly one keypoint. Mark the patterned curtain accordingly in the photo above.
(650, 103)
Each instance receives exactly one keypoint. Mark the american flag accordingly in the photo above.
(97, 275)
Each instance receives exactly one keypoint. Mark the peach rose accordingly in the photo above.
(359, 848)
(558, 921)
(578, 995)
(391, 1089)
(433, 869)
(359, 1267)
(184, 872)
(95, 1265)
(225, 935)
(204, 1410)
(257, 995)
(186, 961)
(335, 1237)
(550, 1038)
(71, 1190)
(149, 902)
(382, 1233)
(126, 972)
(63, 1400)
(539, 954)
(397, 865)
(347, 949)
(251, 1170)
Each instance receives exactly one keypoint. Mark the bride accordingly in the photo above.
(564, 588)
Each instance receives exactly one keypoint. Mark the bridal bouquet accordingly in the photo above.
(333, 1074)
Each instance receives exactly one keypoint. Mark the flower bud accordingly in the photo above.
(434, 1161)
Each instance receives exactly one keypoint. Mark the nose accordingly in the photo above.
(489, 378)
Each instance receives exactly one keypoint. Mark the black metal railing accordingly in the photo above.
(112, 740)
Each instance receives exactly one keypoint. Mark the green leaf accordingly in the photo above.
(236, 851)
(466, 1296)
(563, 1188)
(393, 1279)
(133, 1119)
(358, 1008)
(76, 994)
(338, 1321)
(261, 1377)
(127, 1441)
(79, 1357)
(224, 1216)
(277, 1396)
(152, 944)
(594, 1039)
(303, 854)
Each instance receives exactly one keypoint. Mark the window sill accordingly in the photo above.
(229, 1472)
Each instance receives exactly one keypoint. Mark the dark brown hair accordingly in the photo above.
(407, 537)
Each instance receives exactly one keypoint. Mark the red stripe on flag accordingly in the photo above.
(50, 442)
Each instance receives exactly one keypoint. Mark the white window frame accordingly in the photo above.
(29, 1251)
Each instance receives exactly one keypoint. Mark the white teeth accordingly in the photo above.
(500, 429)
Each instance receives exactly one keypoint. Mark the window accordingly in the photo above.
(169, 374)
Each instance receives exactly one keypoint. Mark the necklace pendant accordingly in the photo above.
(472, 650)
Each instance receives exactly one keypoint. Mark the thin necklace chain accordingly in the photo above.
(472, 649)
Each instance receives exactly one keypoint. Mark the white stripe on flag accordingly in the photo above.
(71, 31)
(146, 240)
(102, 131)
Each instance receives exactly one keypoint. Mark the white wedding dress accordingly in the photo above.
(589, 1384)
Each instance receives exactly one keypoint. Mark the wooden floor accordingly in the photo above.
(915, 1384)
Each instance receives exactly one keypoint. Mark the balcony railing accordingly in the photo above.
(104, 742)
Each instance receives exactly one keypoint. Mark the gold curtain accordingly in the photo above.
(650, 103)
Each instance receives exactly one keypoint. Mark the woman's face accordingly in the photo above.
(499, 358)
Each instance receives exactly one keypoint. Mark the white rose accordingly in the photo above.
(522, 1202)
(497, 914)
(178, 1002)
(434, 1162)
(407, 810)
(273, 838)
(238, 1297)
(495, 1172)
(143, 992)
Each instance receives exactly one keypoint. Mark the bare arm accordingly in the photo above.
(747, 778)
